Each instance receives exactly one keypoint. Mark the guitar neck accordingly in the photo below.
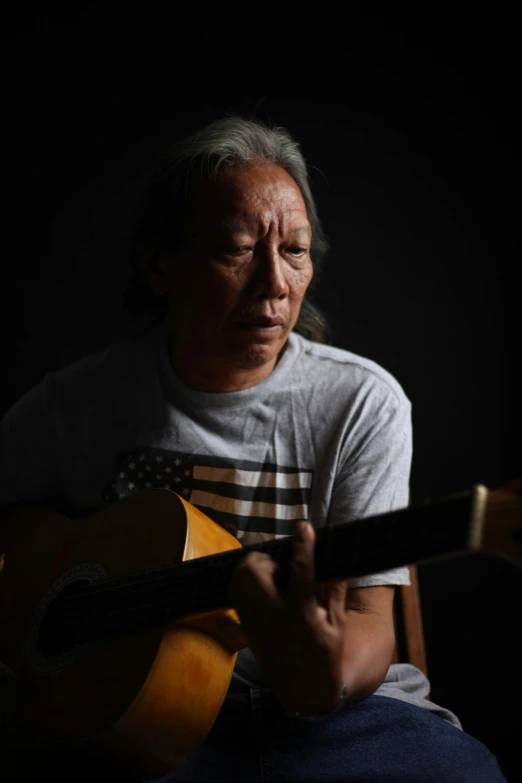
(356, 548)
(352, 549)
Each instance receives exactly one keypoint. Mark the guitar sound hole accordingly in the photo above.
(57, 632)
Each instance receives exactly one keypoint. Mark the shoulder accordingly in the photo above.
(127, 353)
(348, 374)
(117, 363)
(83, 382)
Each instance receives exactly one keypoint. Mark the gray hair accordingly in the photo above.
(229, 141)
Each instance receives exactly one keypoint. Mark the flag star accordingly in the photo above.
(140, 475)
(130, 485)
(177, 461)
(187, 473)
(158, 476)
(148, 484)
(132, 465)
(168, 470)
(177, 479)
(142, 458)
(185, 491)
(122, 475)
(166, 486)
(159, 459)
(148, 467)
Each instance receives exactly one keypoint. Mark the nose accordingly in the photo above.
(270, 277)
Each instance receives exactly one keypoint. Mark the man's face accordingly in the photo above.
(236, 285)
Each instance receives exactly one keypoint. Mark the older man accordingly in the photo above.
(234, 402)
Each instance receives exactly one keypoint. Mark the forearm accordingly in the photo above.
(309, 683)
(367, 650)
(368, 653)
(308, 644)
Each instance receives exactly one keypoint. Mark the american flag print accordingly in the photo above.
(252, 500)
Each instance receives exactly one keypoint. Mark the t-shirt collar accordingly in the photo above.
(228, 399)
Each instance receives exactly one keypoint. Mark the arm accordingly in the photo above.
(369, 639)
(307, 647)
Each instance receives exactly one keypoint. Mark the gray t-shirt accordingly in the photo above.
(325, 437)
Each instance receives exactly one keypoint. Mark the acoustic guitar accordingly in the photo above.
(110, 623)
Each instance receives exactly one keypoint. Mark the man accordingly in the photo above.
(231, 406)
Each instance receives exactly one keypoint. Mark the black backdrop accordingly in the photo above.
(413, 136)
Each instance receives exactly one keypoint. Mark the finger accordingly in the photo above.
(253, 584)
(301, 583)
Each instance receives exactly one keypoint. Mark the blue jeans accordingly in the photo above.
(378, 740)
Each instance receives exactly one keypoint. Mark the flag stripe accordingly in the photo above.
(250, 537)
(291, 497)
(250, 499)
(248, 508)
(279, 527)
(253, 478)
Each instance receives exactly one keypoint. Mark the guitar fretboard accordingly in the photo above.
(352, 549)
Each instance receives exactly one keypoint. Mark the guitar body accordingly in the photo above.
(147, 698)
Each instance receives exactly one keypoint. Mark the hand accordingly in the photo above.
(297, 639)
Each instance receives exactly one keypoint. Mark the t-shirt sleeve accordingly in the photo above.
(29, 453)
(375, 471)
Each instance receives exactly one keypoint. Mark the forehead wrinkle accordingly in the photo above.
(301, 230)
(238, 224)
(260, 206)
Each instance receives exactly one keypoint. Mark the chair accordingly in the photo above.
(409, 646)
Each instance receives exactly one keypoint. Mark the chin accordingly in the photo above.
(259, 354)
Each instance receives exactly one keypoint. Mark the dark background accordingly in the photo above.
(413, 133)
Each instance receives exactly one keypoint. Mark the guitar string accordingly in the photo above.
(125, 586)
(110, 594)
(181, 594)
(116, 588)
(215, 560)
(70, 604)
(153, 577)
(146, 580)
(187, 598)
(185, 568)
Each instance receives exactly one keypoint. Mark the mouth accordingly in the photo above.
(262, 326)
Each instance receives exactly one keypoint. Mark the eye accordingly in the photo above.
(235, 250)
(297, 251)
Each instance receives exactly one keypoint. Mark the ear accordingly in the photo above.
(153, 265)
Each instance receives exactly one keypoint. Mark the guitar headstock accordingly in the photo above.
(499, 521)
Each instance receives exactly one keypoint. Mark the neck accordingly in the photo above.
(218, 374)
